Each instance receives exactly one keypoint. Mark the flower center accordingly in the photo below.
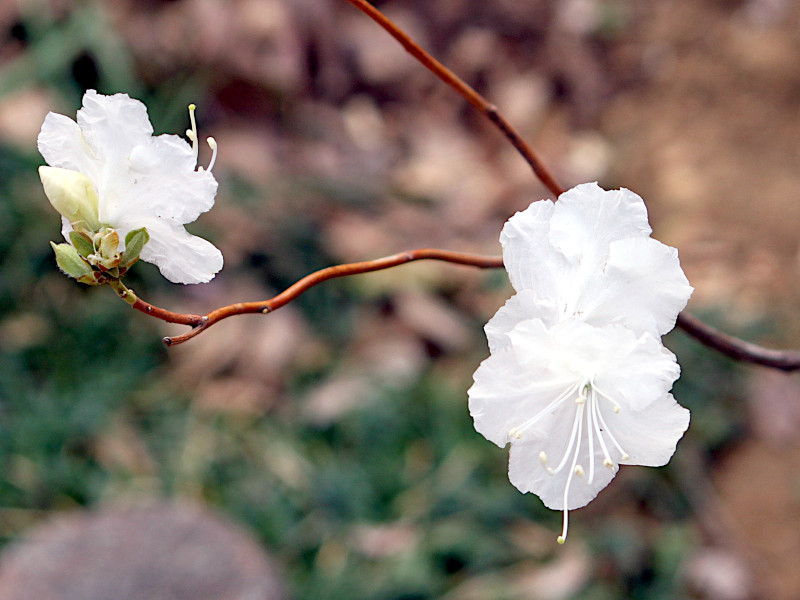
(587, 410)
(192, 135)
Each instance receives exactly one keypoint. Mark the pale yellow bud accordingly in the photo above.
(72, 194)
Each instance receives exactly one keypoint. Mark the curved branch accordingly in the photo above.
(738, 349)
(201, 323)
(735, 348)
(469, 94)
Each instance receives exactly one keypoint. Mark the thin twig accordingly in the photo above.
(201, 323)
(738, 349)
(469, 94)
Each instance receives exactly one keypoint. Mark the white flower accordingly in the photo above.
(590, 255)
(575, 401)
(139, 180)
(578, 380)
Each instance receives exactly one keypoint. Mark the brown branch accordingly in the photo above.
(201, 323)
(737, 349)
(469, 94)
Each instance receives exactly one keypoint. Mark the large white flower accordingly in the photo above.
(590, 255)
(578, 380)
(575, 401)
(139, 180)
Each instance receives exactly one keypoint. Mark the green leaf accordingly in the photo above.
(82, 243)
(134, 242)
(70, 262)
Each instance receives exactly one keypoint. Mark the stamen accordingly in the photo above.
(625, 455)
(516, 432)
(212, 143)
(617, 407)
(579, 471)
(192, 133)
(606, 454)
(573, 470)
(591, 424)
(575, 428)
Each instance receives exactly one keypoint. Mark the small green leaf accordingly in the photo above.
(70, 262)
(134, 242)
(82, 243)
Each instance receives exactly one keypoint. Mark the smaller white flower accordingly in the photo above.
(590, 256)
(575, 401)
(132, 180)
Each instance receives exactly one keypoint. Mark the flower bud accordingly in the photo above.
(107, 242)
(72, 194)
(70, 262)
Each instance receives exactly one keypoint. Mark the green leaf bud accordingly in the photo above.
(70, 262)
(134, 242)
(82, 243)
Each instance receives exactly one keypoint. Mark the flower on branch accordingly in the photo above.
(577, 380)
(112, 179)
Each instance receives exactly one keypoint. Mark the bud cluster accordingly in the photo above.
(93, 255)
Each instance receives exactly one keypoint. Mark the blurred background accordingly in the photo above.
(335, 432)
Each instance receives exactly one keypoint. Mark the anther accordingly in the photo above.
(609, 463)
(579, 471)
(543, 457)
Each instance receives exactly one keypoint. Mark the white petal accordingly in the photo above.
(62, 145)
(638, 370)
(180, 256)
(522, 306)
(66, 227)
(528, 257)
(643, 287)
(650, 436)
(159, 181)
(113, 125)
(588, 218)
(505, 397)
